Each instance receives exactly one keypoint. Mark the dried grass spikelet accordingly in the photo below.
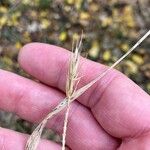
(71, 84)
(35, 136)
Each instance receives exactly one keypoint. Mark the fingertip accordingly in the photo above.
(25, 51)
(33, 52)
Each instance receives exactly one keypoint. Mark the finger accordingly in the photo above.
(123, 109)
(49, 64)
(14, 140)
(32, 101)
(136, 143)
(119, 105)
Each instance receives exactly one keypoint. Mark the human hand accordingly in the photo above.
(112, 114)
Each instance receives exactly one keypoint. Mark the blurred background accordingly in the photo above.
(110, 28)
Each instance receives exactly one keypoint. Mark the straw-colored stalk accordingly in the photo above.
(35, 136)
(71, 84)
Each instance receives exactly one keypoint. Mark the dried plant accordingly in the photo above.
(71, 96)
(71, 84)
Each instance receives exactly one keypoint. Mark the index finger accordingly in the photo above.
(49, 64)
(116, 101)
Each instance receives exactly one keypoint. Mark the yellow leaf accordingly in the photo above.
(3, 9)
(84, 15)
(78, 4)
(137, 59)
(26, 37)
(3, 20)
(132, 67)
(70, 2)
(128, 17)
(107, 55)
(106, 22)
(63, 36)
(75, 36)
(18, 45)
(94, 7)
(94, 50)
(124, 47)
(45, 23)
(26, 2)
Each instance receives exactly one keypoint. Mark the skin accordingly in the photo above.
(114, 114)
